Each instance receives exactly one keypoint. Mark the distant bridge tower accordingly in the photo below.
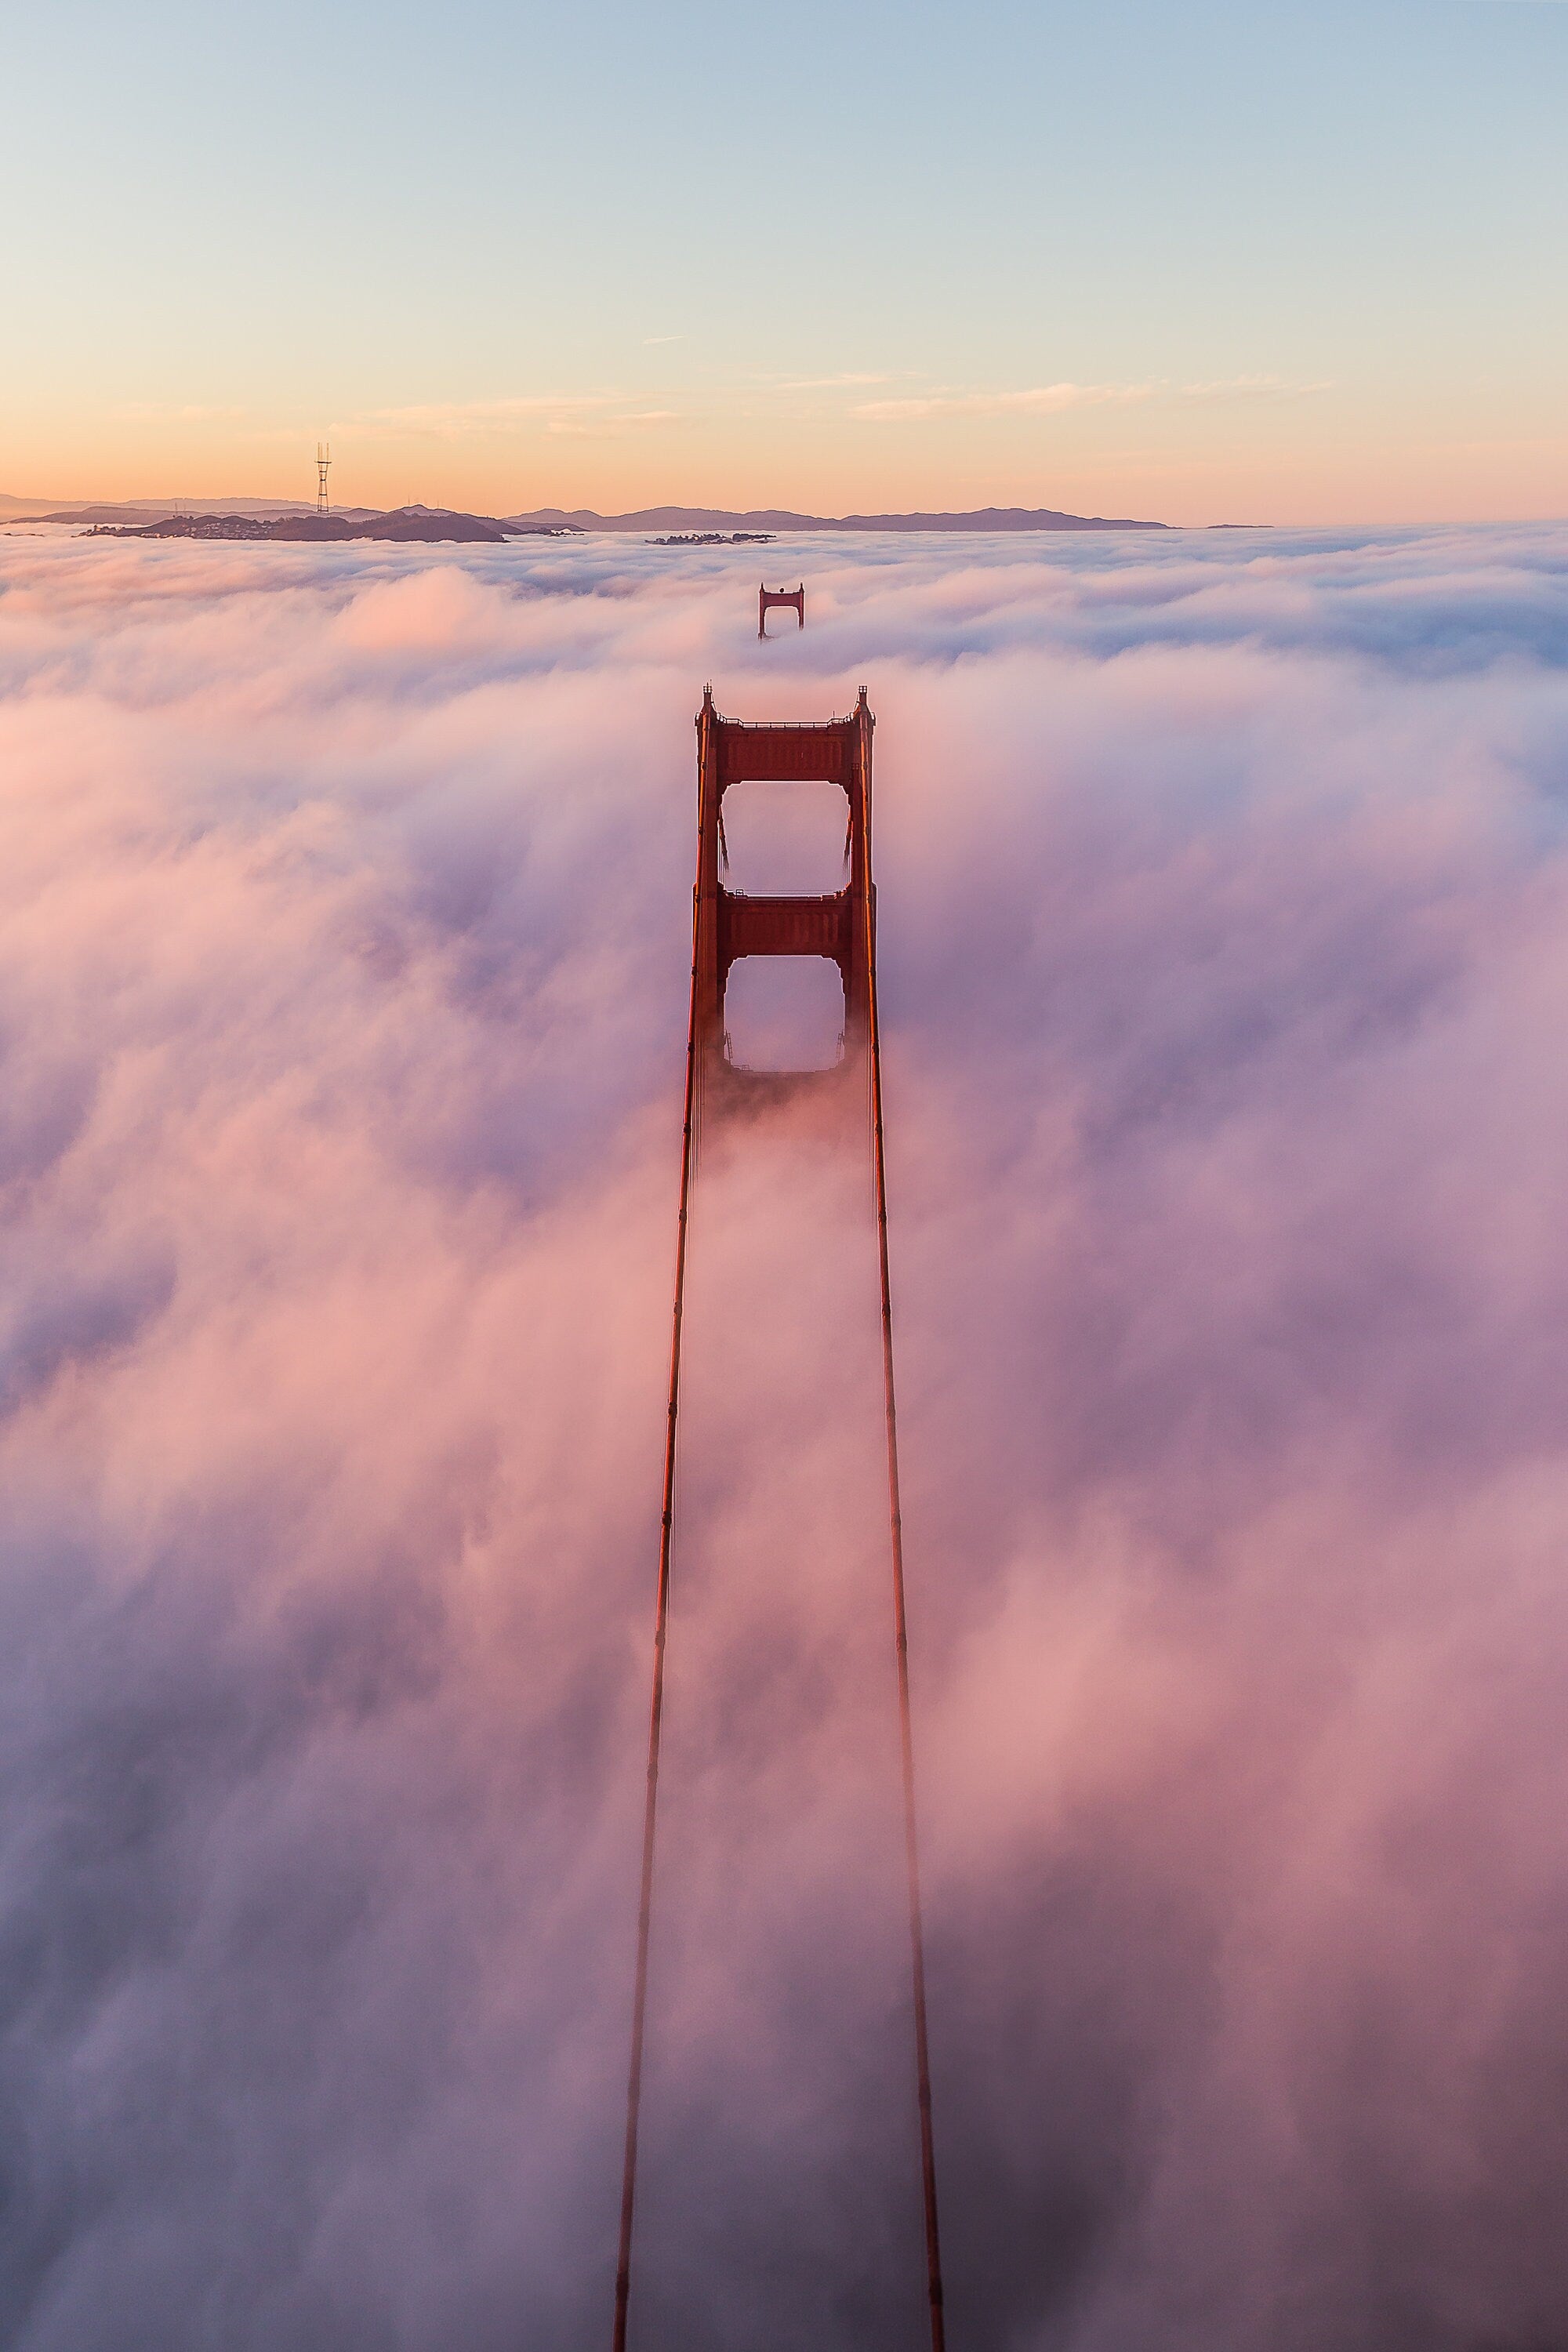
(323, 464)
(792, 598)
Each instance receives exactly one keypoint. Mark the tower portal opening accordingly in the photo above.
(785, 837)
(785, 1013)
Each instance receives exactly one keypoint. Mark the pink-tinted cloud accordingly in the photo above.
(1223, 895)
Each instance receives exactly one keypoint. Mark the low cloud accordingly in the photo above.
(1224, 888)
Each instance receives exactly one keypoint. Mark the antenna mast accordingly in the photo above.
(323, 461)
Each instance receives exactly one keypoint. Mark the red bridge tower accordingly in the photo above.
(841, 926)
(729, 924)
(792, 599)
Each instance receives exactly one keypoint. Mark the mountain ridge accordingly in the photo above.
(580, 520)
(783, 518)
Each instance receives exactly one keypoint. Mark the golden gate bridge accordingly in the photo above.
(841, 926)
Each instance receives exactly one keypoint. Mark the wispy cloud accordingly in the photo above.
(557, 412)
(605, 428)
(834, 383)
(155, 411)
(1051, 399)
(1038, 400)
(1253, 387)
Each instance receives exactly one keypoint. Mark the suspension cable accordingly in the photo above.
(656, 1713)
(900, 1637)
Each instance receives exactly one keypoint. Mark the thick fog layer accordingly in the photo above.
(1224, 907)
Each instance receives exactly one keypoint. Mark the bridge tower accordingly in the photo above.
(839, 925)
(792, 599)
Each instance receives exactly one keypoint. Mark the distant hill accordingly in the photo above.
(778, 519)
(428, 523)
(424, 524)
(131, 510)
(276, 518)
(132, 516)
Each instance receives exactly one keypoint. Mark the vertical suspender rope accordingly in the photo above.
(661, 1617)
(900, 1631)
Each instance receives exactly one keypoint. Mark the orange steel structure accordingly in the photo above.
(842, 926)
(794, 599)
(729, 924)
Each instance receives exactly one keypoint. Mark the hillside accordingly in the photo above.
(424, 524)
(775, 519)
(260, 519)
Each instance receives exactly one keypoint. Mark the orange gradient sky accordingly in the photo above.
(1198, 263)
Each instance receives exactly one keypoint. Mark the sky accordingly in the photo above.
(1223, 919)
(1198, 262)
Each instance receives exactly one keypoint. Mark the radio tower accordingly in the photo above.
(323, 461)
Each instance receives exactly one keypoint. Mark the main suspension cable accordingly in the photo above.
(661, 1619)
(901, 1640)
